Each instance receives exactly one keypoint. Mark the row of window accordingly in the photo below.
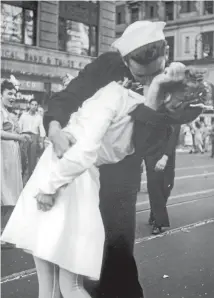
(152, 10)
(19, 25)
(206, 40)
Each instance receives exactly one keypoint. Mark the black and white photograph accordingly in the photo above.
(107, 149)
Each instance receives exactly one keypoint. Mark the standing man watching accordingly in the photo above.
(160, 170)
(32, 123)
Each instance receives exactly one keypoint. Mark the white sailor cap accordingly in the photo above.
(138, 34)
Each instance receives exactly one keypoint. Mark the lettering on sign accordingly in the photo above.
(30, 85)
(43, 57)
(26, 97)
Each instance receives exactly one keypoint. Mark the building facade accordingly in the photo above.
(189, 30)
(41, 41)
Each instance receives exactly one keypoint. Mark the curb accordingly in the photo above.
(18, 275)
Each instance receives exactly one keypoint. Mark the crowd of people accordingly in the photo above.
(22, 143)
(76, 214)
(199, 136)
(23, 139)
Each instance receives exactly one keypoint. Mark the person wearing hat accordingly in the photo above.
(142, 54)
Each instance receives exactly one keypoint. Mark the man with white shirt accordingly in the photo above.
(32, 123)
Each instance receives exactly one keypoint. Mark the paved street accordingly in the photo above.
(178, 263)
(185, 253)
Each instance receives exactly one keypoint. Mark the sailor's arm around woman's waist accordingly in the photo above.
(94, 118)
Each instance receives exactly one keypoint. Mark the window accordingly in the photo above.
(207, 43)
(170, 42)
(169, 10)
(151, 9)
(187, 6)
(78, 27)
(78, 38)
(134, 14)
(187, 44)
(119, 18)
(120, 14)
(208, 7)
(18, 22)
(151, 12)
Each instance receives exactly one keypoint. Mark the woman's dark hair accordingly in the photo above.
(148, 53)
(7, 85)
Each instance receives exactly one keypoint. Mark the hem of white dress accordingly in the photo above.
(29, 251)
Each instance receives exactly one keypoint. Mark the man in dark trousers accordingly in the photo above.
(119, 182)
(160, 170)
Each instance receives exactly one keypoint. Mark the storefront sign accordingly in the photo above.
(33, 86)
(41, 56)
(26, 97)
(29, 85)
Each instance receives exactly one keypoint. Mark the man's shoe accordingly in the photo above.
(156, 230)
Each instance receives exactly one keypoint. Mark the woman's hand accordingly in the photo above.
(45, 202)
(161, 164)
(172, 74)
(175, 73)
(61, 141)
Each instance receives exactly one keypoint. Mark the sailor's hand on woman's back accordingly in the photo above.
(61, 140)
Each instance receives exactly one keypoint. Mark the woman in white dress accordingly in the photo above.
(67, 240)
(11, 177)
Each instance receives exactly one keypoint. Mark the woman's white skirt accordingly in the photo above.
(71, 234)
